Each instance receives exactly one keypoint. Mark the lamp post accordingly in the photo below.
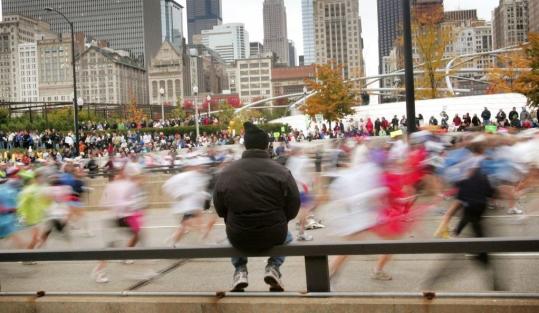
(208, 99)
(161, 94)
(195, 92)
(75, 106)
(408, 66)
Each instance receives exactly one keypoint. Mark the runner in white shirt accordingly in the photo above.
(189, 191)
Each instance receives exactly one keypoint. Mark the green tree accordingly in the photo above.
(334, 97)
(4, 116)
(179, 112)
(226, 113)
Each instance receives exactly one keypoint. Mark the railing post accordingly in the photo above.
(317, 273)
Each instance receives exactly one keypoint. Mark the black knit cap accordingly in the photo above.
(255, 138)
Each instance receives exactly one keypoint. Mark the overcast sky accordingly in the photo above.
(250, 13)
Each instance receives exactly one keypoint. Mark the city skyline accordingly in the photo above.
(234, 11)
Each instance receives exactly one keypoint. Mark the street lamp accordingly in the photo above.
(195, 92)
(75, 106)
(162, 93)
(208, 99)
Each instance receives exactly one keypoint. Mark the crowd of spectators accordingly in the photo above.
(98, 139)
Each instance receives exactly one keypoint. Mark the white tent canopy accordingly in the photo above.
(428, 108)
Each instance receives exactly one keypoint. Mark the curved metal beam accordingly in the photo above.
(238, 110)
(304, 98)
(449, 65)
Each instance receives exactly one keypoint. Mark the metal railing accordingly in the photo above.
(316, 255)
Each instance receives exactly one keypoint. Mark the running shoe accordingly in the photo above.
(442, 233)
(99, 276)
(515, 211)
(381, 275)
(304, 237)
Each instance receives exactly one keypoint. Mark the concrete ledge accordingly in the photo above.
(262, 305)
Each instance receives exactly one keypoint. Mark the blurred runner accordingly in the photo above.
(189, 191)
(125, 197)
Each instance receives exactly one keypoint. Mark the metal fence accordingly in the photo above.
(316, 255)
(102, 111)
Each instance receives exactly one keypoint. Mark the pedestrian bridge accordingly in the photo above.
(317, 298)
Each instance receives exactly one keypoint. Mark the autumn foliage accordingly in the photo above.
(529, 80)
(334, 97)
(505, 77)
(134, 113)
(431, 39)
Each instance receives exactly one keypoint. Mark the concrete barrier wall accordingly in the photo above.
(262, 305)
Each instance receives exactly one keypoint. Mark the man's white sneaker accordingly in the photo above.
(515, 211)
(272, 277)
(240, 281)
(129, 262)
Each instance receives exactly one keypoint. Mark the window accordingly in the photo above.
(154, 89)
(170, 89)
(178, 84)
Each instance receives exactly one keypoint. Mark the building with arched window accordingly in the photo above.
(167, 71)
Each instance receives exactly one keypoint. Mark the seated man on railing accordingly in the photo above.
(257, 197)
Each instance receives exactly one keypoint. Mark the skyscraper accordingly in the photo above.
(172, 22)
(256, 49)
(130, 25)
(389, 27)
(203, 15)
(534, 17)
(275, 29)
(510, 23)
(307, 11)
(338, 25)
(291, 53)
(230, 41)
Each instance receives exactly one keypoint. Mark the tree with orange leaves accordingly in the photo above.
(431, 38)
(134, 113)
(529, 80)
(506, 77)
(334, 97)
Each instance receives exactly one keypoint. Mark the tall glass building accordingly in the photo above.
(389, 27)
(203, 15)
(172, 22)
(130, 25)
(307, 9)
(275, 30)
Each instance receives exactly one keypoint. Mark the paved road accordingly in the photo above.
(519, 271)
